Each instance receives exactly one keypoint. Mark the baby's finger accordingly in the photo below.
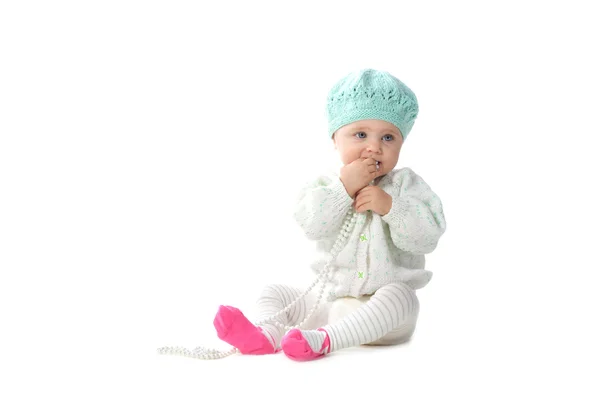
(361, 203)
(362, 208)
(357, 198)
(369, 161)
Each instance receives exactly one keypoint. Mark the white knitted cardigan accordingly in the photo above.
(380, 249)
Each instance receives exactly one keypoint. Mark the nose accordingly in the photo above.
(373, 147)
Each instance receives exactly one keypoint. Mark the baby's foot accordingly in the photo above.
(300, 345)
(234, 328)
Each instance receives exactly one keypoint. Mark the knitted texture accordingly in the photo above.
(380, 249)
(371, 94)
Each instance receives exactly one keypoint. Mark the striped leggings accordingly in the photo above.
(390, 312)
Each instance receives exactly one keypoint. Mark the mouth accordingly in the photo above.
(377, 164)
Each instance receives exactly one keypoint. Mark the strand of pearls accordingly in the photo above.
(199, 352)
(212, 354)
(337, 247)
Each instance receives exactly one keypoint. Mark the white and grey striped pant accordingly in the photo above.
(388, 316)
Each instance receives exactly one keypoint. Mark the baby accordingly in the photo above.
(377, 255)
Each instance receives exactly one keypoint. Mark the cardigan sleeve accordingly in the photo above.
(416, 219)
(322, 206)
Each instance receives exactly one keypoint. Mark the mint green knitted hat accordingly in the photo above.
(371, 94)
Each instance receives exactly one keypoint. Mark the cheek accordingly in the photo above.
(349, 154)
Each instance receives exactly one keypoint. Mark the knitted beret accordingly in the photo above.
(371, 94)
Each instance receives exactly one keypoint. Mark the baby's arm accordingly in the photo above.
(321, 207)
(416, 218)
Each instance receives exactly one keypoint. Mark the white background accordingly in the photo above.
(151, 152)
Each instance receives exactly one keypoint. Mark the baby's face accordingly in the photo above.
(369, 138)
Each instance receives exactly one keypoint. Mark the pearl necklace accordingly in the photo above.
(212, 354)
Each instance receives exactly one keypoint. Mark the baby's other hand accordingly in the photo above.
(373, 198)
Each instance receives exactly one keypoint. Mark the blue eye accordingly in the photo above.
(391, 137)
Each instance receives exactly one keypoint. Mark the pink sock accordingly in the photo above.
(296, 346)
(234, 328)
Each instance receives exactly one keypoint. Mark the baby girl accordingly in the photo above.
(372, 225)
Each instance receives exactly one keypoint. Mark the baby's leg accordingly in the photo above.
(276, 297)
(390, 307)
(234, 328)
